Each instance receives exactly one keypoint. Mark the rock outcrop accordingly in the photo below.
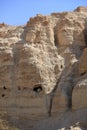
(34, 57)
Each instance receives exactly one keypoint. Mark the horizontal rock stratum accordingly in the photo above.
(48, 51)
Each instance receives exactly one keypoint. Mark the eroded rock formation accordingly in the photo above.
(45, 50)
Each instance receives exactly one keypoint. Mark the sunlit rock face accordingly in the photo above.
(45, 50)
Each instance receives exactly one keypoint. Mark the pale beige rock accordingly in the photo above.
(45, 50)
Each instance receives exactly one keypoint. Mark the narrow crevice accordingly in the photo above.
(85, 35)
(83, 73)
(55, 41)
(55, 36)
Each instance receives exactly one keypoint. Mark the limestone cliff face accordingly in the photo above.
(46, 49)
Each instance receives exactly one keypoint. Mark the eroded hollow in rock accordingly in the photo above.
(83, 73)
(61, 66)
(4, 88)
(38, 88)
(19, 88)
(3, 95)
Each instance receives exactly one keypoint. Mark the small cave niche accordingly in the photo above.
(19, 88)
(3, 95)
(61, 66)
(38, 88)
(4, 87)
(25, 88)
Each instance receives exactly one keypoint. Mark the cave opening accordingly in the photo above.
(3, 95)
(4, 88)
(38, 88)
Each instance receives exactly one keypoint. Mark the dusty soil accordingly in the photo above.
(67, 120)
(21, 120)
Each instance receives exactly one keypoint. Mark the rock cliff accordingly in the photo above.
(48, 51)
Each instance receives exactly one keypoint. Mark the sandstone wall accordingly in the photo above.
(46, 49)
